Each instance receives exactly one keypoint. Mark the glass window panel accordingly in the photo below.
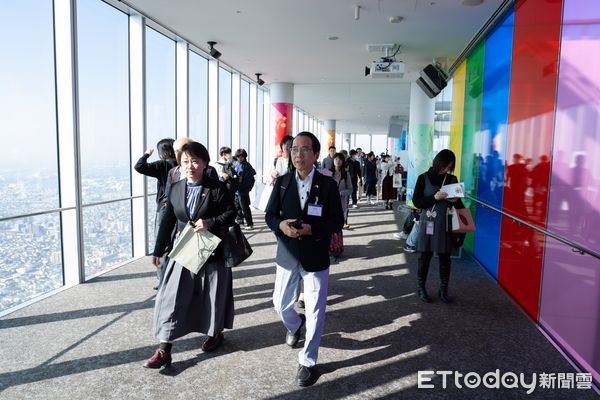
(363, 141)
(379, 143)
(31, 262)
(295, 121)
(224, 108)
(198, 98)
(160, 92)
(27, 109)
(245, 116)
(106, 236)
(103, 101)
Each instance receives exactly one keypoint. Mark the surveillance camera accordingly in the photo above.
(213, 52)
(259, 81)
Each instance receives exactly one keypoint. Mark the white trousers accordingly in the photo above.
(287, 288)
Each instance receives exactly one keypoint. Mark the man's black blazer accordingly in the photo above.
(311, 251)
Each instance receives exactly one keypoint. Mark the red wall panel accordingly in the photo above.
(529, 145)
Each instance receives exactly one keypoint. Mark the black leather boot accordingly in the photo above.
(444, 280)
(421, 280)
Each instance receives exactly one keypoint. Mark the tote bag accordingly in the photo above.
(235, 246)
(462, 220)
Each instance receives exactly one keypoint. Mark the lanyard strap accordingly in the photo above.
(431, 213)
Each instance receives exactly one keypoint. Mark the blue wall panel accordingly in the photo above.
(492, 141)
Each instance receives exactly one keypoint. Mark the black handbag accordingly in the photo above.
(235, 246)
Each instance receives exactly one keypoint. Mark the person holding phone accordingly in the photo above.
(304, 210)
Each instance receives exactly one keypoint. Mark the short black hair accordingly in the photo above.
(443, 159)
(332, 147)
(224, 150)
(196, 149)
(241, 152)
(165, 149)
(316, 145)
(353, 152)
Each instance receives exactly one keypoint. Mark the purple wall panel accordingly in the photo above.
(570, 296)
(575, 186)
(570, 304)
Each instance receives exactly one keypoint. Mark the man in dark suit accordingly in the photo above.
(303, 211)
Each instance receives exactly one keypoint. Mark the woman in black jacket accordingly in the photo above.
(193, 302)
(435, 236)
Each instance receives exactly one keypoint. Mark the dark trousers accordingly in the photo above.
(425, 259)
(242, 203)
(160, 269)
(354, 190)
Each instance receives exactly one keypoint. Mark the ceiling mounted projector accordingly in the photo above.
(385, 69)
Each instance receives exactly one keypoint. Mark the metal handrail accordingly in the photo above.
(99, 203)
(61, 209)
(574, 246)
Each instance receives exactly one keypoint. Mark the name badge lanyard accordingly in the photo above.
(315, 209)
(431, 214)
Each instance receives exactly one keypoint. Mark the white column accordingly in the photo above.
(137, 83)
(348, 141)
(330, 137)
(68, 140)
(420, 135)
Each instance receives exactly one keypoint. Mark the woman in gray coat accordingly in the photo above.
(435, 236)
(188, 302)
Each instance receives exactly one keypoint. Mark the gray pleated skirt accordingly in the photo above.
(187, 302)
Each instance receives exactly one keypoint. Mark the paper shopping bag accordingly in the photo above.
(462, 221)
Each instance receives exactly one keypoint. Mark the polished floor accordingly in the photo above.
(89, 342)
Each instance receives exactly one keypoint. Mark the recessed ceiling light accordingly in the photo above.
(471, 2)
(395, 19)
(333, 38)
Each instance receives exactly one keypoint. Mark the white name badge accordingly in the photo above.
(316, 210)
(429, 228)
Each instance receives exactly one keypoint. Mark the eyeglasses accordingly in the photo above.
(303, 149)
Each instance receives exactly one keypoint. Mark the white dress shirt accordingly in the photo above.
(304, 187)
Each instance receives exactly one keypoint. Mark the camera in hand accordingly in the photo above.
(297, 224)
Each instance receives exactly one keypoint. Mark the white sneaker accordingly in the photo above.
(397, 235)
(354, 205)
(409, 249)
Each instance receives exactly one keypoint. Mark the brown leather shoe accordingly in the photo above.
(213, 342)
(159, 359)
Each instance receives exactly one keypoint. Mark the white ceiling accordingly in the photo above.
(287, 41)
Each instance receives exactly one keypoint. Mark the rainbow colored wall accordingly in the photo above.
(526, 131)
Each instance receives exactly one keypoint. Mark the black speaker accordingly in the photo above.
(432, 80)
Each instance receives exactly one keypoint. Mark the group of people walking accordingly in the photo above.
(305, 209)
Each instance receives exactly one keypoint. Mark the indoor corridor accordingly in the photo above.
(89, 342)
